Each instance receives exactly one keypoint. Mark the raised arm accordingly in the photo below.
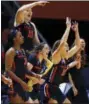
(19, 17)
(63, 40)
(66, 33)
(75, 49)
(31, 5)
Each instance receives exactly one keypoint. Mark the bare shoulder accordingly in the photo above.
(19, 18)
(10, 51)
(19, 12)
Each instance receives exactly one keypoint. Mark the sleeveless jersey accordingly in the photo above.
(27, 31)
(38, 67)
(20, 62)
(55, 76)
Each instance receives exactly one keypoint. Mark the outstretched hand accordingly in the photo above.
(74, 26)
(42, 3)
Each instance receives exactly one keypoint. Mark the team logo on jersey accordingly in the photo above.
(30, 31)
(30, 34)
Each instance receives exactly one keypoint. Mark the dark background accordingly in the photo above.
(50, 19)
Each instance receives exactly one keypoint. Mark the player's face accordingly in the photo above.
(19, 38)
(27, 15)
(45, 51)
(83, 44)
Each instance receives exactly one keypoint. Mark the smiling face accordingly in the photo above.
(83, 44)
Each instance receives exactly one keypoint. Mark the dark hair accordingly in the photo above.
(11, 36)
(83, 55)
(83, 58)
(39, 47)
(55, 45)
(36, 49)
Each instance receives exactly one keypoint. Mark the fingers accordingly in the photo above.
(74, 26)
(46, 2)
(68, 20)
(43, 3)
(74, 23)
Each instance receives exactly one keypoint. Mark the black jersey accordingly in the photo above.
(38, 67)
(55, 76)
(79, 83)
(20, 62)
(27, 31)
